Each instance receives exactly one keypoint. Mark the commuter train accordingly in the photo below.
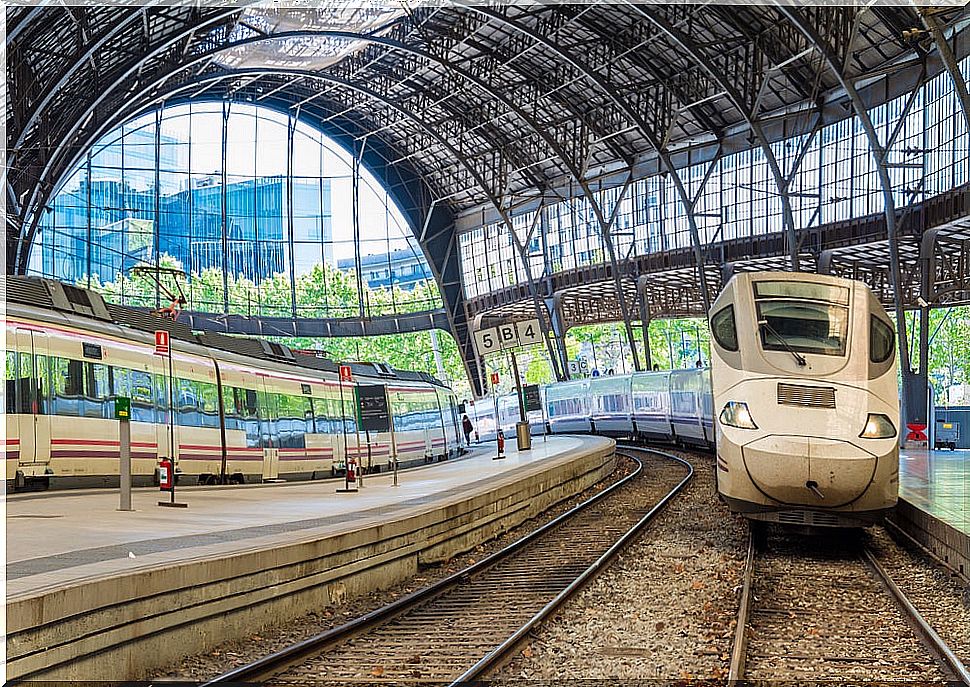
(804, 384)
(229, 409)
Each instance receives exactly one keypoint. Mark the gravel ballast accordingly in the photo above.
(665, 609)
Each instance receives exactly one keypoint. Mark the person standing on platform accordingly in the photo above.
(466, 427)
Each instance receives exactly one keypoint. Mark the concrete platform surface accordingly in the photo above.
(938, 483)
(55, 542)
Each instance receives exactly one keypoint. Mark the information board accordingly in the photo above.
(530, 394)
(372, 408)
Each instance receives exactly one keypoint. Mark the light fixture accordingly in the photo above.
(736, 414)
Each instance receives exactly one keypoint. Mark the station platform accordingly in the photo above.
(90, 589)
(934, 503)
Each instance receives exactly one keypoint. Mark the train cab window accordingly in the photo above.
(724, 329)
(882, 340)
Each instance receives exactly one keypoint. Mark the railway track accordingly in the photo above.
(466, 624)
(824, 608)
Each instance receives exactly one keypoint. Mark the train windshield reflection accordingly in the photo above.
(803, 326)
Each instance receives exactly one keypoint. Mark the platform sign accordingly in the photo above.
(524, 333)
(346, 374)
(372, 408)
(487, 341)
(495, 379)
(507, 336)
(531, 397)
(529, 332)
(161, 342)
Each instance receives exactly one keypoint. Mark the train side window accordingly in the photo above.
(142, 403)
(66, 381)
(11, 377)
(882, 340)
(120, 382)
(97, 391)
(43, 390)
(232, 407)
(209, 404)
(252, 403)
(25, 374)
(724, 329)
(160, 387)
(187, 403)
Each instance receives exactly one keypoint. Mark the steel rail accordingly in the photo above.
(929, 636)
(740, 650)
(494, 658)
(274, 664)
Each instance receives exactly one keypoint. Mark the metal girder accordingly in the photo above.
(750, 116)
(856, 249)
(315, 327)
(835, 63)
(644, 129)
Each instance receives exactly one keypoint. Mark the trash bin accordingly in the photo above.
(523, 437)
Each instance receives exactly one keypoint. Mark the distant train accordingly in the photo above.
(244, 410)
(671, 407)
(804, 384)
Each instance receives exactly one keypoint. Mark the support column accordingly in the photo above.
(645, 328)
(560, 335)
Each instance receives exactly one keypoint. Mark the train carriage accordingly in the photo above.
(568, 407)
(651, 405)
(611, 409)
(223, 408)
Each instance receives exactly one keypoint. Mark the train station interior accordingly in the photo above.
(436, 342)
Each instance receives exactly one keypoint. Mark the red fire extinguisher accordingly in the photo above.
(351, 468)
(501, 442)
(166, 474)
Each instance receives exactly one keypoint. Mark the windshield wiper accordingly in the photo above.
(800, 359)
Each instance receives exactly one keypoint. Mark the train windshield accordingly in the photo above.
(805, 317)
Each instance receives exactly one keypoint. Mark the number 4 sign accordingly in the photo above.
(529, 332)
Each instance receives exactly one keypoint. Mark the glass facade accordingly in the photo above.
(833, 178)
(256, 208)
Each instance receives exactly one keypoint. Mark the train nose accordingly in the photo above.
(808, 471)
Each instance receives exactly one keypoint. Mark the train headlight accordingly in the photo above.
(878, 426)
(736, 414)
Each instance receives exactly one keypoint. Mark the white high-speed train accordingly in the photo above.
(806, 444)
(804, 381)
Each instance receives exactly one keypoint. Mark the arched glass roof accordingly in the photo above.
(261, 211)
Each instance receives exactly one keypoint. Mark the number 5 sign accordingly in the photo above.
(487, 341)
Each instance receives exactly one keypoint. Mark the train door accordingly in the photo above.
(269, 434)
(33, 421)
(338, 434)
(166, 427)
